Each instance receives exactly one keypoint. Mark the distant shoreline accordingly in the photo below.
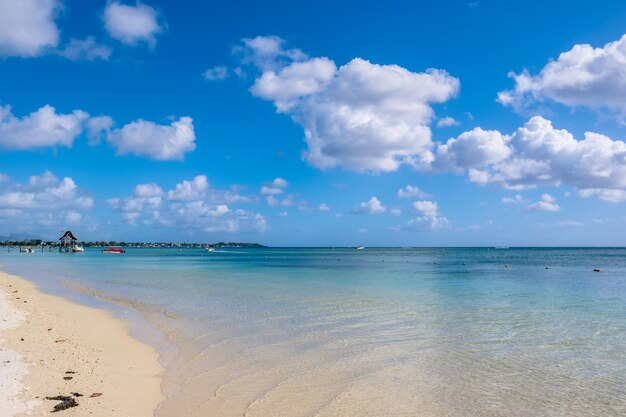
(234, 245)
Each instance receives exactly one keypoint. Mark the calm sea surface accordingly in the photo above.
(373, 332)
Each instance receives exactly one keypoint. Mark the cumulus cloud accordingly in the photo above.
(45, 200)
(429, 217)
(518, 199)
(294, 81)
(267, 52)
(607, 194)
(216, 73)
(151, 140)
(537, 154)
(85, 50)
(191, 205)
(42, 128)
(132, 25)
(190, 190)
(427, 208)
(371, 206)
(446, 122)
(97, 127)
(274, 202)
(472, 149)
(265, 190)
(361, 116)
(274, 188)
(547, 203)
(280, 183)
(148, 190)
(582, 76)
(428, 222)
(27, 27)
(411, 191)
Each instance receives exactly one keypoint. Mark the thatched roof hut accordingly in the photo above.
(68, 236)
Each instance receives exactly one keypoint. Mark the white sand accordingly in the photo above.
(44, 337)
(12, 369)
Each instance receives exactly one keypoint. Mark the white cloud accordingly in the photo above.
(274, 202)
(395, 211)
(27, 27)
(360, 116)
(283, 214)
(42, 128)
(190, 190)
(267, 52)
(274, 188)
(472, 149)
(192, 205)
(547, 203)
(372, 206)
(97, 127)
(148, 139)
(323, 207)
(265, 190)
(297, 80)
(86, 50)
(582, 76)
(606, 194)
(541, 155)
(148, 190)
(427, 208)
(216, 73)
(73, 217)
(280, 183)
(429, 217)
(428, 222)
(518, 199)
(132, 24)
(45, 200)
(411, 191)
(447, 121)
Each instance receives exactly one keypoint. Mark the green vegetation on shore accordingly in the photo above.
(103, 244)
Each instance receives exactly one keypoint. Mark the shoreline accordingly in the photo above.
(51, 346)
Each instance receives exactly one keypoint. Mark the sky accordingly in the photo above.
(405, 123)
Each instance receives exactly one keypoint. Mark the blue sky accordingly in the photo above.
(325, 123)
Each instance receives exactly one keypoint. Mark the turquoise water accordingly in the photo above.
(374, 332)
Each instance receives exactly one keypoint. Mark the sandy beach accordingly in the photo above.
(50, 347)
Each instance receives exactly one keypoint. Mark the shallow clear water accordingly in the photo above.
(374, 332)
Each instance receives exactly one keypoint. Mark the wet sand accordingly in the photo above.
(50, 346)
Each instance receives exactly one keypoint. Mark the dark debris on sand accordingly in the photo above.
(66, 402)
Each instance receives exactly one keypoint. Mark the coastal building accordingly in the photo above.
(69, 243)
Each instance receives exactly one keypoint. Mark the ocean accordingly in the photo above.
(374, 332)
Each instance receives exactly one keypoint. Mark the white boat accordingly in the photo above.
(78, 249)
(210, 249)
(27, 250)
(360, 247)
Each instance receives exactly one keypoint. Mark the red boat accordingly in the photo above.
(113, 250)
